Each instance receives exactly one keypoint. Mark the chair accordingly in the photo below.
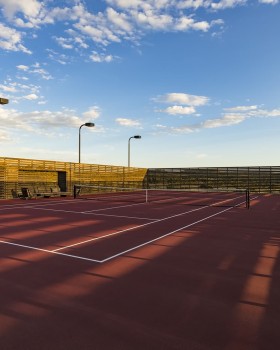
(26, 193)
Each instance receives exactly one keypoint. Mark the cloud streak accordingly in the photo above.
(182, 103)
(227, 119)
(128, 122)
(45, 122)
(119, 21)
(11, 39)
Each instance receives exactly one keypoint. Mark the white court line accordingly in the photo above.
(116, 207)
(86, 213)
(126, 251)
(32, 205)
(167, 234)
(116, 255)
(130, 229)
(138, 226)
(120, 216)
(42, 207)
(100, 237)
(50, 251)
(14, 206)
(90, 211)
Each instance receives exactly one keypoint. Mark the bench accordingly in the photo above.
(16, 194)
(55, 190)
(43, 192)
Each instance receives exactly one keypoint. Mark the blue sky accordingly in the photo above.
(199, 80)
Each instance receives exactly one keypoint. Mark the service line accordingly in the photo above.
(131, 228)
(128, 250)
(167, 234)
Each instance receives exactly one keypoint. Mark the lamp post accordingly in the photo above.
(132, 137)
(89, 125)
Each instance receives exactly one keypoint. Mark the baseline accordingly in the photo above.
(50, 251)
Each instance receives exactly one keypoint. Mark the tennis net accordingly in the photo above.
(214, 198)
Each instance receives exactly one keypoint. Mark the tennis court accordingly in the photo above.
(123, 271)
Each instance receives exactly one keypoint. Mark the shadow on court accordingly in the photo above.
(213, 286)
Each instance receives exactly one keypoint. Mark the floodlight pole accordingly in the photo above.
(90, 125)
(132, 137)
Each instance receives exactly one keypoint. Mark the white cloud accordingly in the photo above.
(27, 7)
(53, 15)
(57, 57)
(99, 28)
(179, 110)
(271, 2)
(8, 88)
(93, 113)
(65, 43)
(126, 3)
(223, 4)
(203, 26)
(185, 129)
(227, 120)
(184, 99)
(184, 23)
(152, 19)
(100, 57)
(42, 72)
(31, 97)
(194, 4)
(119, 19)
(241, 114)
(18, 91)
(22, 78)
(124, 20)
(40, 122)
(254, 111)
(241, 109)
(128, 122)
(265, 113)
(217, 22)
(22, 67)
(4, 136)
(81, 42)
(35, 69)
(10, 40)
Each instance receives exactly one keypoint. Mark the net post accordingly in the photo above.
(75, 191)
(146, 195)
(247, 199)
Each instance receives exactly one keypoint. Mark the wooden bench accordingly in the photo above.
(43, 192)
(16, 194)
(56, 191)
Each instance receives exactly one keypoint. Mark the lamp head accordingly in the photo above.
(137, 137)
(90, 125)
(3, 101)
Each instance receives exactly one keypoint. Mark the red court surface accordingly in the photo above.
(97, 275)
